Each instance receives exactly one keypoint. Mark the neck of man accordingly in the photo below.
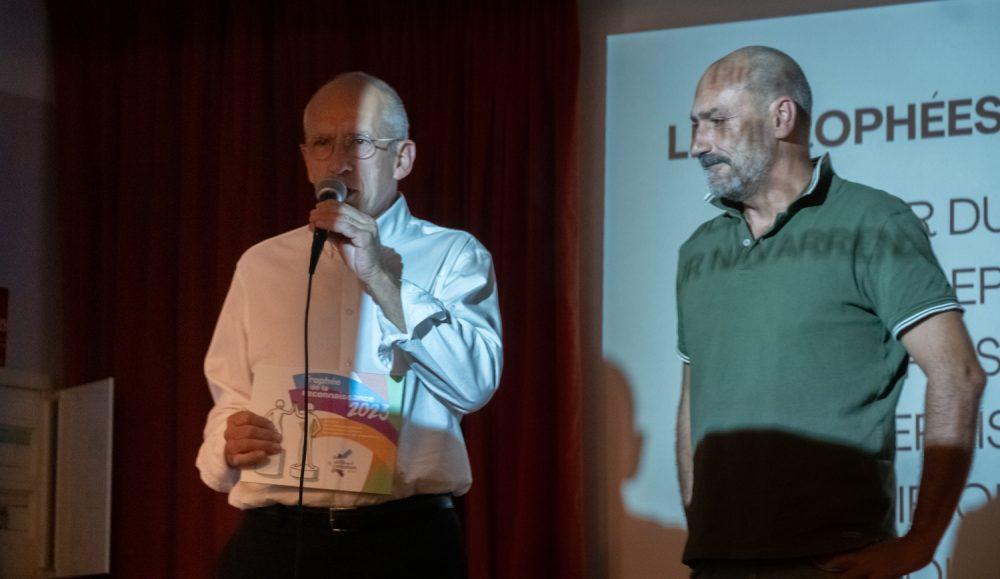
(379, 211)
(785, 181)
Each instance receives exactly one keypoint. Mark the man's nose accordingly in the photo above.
(699, 144)
(340, 161)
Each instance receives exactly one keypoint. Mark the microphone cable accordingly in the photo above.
(305, 434)
(326, 189)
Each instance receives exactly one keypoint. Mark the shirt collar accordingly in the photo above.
(822, 169)
(394, 220)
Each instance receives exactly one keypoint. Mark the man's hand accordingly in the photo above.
(888, 560)
(250, 438)
(355, 235)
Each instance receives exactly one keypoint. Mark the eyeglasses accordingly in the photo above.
(357, 146)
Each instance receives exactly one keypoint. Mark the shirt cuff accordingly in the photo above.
(211, 463)
(419, 306)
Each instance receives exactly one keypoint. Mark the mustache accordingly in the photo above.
(709, 159)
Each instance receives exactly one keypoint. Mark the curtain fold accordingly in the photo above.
(177, 127)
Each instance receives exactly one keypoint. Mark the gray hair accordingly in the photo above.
(772, 73)
(393, 113)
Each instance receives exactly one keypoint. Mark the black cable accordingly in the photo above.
(305, 434)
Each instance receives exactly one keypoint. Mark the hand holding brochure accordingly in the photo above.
(353, 429)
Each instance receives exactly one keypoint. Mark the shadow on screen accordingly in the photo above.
(976, 553)
(641, 548)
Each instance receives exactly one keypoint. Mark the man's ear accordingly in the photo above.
(786, 117)
(405, 155)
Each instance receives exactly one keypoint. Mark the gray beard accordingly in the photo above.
(743, 181)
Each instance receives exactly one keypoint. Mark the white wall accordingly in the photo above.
(29, 258)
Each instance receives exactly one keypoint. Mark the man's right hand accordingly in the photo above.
(250, 438)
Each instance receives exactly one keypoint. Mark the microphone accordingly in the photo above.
(326, 190)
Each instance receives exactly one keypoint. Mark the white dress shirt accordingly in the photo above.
(450, 352)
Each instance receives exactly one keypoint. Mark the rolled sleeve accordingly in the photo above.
(419, 306)
(452, 341)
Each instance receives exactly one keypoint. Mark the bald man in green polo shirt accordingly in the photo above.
(799, 306)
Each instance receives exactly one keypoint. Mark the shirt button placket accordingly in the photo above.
(349, 363)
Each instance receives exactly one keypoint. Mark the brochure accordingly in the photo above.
(353, 429)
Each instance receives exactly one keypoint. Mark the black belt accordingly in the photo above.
(384, 515)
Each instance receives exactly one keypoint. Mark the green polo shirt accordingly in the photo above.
(796, 366)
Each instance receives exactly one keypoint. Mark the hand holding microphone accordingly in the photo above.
(326, 190)
(356, 233)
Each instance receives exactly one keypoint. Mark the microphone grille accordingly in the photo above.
(331, 188)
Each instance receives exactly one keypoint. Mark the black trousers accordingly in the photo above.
(418, 542)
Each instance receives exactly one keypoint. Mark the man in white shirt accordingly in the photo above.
(392, 295)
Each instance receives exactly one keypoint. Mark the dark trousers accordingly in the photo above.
(418, 542)
(805, 568)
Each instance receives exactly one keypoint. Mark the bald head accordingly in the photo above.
(764, 72)
(358, 87)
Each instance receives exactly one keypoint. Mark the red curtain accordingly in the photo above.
(177, 126)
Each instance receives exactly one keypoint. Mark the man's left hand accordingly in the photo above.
(887, 560)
